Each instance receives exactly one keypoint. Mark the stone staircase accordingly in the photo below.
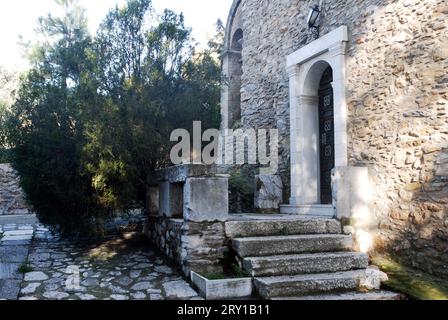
(304, 259)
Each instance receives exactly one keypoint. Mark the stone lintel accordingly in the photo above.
(180, 173)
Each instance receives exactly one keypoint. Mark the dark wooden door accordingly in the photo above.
(326, 135)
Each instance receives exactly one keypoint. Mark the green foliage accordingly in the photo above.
(93, 117)
(234, 272)
(8, 82)
(237, 272)
(412, 282)
(241, 187)
(24, 268)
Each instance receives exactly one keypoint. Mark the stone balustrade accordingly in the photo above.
(188, 206)
(192, 192)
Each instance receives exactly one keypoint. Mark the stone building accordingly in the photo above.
(361, 112)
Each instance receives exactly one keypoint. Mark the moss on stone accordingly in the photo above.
(414, 283)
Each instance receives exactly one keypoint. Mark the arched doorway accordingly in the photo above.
(326, 135)
(318, 115)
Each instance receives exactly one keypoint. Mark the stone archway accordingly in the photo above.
(232, 68)
(306, 67)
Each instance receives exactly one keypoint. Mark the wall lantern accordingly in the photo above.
(312, 20)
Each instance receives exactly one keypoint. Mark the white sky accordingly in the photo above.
(18, 17)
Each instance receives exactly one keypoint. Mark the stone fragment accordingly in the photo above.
(206, 199)
(35, 276)
(84, 296)
(30, 288)
(124, 281)
(268, 192)
(139, 295)
(178, 290)
(119, 297)
(9, 289)
(56, 295)
(145, 285)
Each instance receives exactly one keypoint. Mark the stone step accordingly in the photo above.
(353, 295)
(311, 284)
(279, 245)
(305, 263)
(239, 229)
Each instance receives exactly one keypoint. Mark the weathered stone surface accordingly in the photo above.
(235, 229)
(178, 290)
(180, 173)
(152, 201)
(83, 296)
(138, 296)
(204, 247)
(266, 246)
(119, 297)
(13, 253)
(35, 276)
(268, 192)
(170, 199)
(12, 198)
(30, 288)
(9, 289)
(222, 289)
(305, 263)
(9, 270)
(371, 295)
(206, 199)
(166, 234)
(396, 104)
(141, 286)
(302, 285)
(56, 264)
(55, 295)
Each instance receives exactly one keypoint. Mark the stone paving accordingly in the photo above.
(15, 239)
(37, 265)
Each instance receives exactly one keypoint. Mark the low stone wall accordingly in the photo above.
(187, 207)
(204, 247)
(165, 234)
(200, 247)
(12, 198)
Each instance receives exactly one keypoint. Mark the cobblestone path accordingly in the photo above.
(39, 266)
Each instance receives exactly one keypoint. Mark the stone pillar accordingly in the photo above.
(352, 193)
(152, 200)
(170, 199)
(206, 199)
(231, 88)
(305, 157)
(337, 59)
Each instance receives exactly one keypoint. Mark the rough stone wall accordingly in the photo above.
(12, 198)
(200, 247)
(397, 94)
(398, 125)
(204, 247)
(165, 234)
